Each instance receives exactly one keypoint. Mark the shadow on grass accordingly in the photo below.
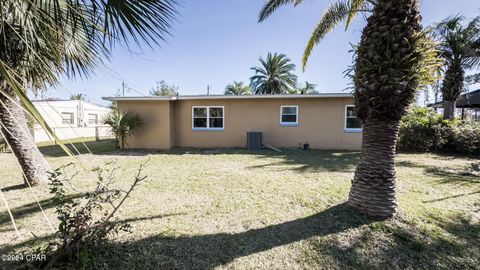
(96, 147)
(337, 237)
(312, 160)
(330, 161)
(30, 208)
(210, 251)
(14, 187)
(452, 197)
(446, 175)
(31, 244)
(316, 160)
(399, 244)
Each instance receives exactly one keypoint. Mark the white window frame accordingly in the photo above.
(72, 122)
(291, 124)
(208, 128)
(345, 121)
(96, 118)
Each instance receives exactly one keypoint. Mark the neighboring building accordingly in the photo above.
(324, 121)
(71, 119)
(468, 105)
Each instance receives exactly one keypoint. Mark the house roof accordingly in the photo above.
(192, 97)
(468, 100)
(58, 101)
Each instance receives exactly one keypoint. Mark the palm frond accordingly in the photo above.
(42, 39)
(272, 5)
(355, 6)
(335, 14)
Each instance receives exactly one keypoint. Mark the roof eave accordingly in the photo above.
(204, 97)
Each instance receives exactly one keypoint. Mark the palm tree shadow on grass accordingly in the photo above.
(209, 251)
(396, 242)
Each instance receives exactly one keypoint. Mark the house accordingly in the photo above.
(468, 104)
(70, 119)
(324, 121)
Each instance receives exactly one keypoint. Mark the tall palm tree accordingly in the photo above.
(391, 62)
(42, 39)
(275, 76)
(238, 88)
(459, 46)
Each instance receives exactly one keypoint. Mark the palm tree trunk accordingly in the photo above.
(373, 187)
(16, 132)
(448, 109)
(452, 87)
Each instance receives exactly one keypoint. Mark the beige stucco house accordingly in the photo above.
(324, 121)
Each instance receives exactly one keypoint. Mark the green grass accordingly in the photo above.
(235, 209)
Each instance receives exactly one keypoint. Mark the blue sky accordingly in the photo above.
(216, 42)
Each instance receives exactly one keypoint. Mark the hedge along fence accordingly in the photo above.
(423, 130)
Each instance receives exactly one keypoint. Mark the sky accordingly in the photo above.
(216, 42)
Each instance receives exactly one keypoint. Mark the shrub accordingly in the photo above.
(466, 138)
(421, 129)
(85, 224)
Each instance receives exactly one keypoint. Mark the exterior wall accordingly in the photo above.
(52, 111)
(320, 123)
(65, 133)
(168, 124)
(157, 131)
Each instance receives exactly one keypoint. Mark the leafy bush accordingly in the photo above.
(85, 224)
(466, 138)
(421, 129)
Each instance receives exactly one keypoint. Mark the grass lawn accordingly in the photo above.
(235, 209)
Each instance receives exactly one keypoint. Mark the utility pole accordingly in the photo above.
(208, 89)
(123, 88)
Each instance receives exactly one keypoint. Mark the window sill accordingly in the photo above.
(353, 130)
(208, 129)
(289, 124)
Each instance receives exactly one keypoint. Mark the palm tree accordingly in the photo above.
(275, 76)
(78, 96)
(40, 40)
(238, 88)
(310, 88)
(392, 59)
(122, 124)
(460, 49)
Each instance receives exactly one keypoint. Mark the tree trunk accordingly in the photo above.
(373, 187)
(17, 134)
(448, 109)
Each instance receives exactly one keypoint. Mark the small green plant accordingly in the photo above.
(87, 223)
(123, 124)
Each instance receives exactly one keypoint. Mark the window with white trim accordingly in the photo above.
(92, 119)
(289, 115)
(67, 118)
(352, 122)
(208, 117)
